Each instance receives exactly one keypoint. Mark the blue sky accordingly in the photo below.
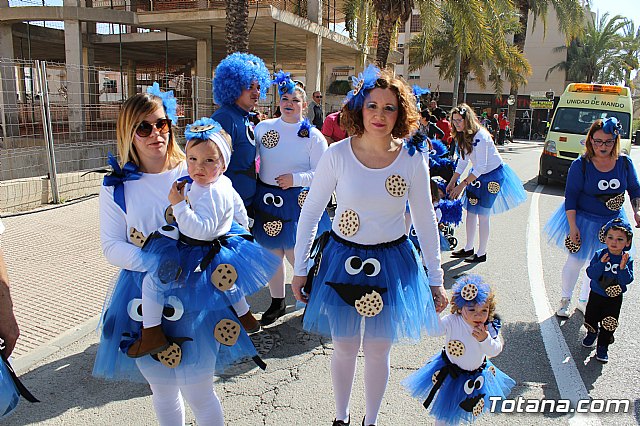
(626, 8)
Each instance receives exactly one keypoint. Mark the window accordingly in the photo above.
(416, 23)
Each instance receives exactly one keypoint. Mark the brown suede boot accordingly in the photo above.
(151, 341)
(250, 323)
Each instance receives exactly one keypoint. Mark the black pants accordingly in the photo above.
(602, 316)
(501, 135)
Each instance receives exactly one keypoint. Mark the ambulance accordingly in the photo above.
(579, 106)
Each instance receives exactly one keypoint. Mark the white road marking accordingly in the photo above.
(570, 384)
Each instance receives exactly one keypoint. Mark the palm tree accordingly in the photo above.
(236, 34)
(570, 21)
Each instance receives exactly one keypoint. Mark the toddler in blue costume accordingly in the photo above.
(610, 271)
(457, 383)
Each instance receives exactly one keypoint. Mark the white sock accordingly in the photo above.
(570, 273)
(204, 403)
(485, 227)
(343, 370)
(471, 225)
(241, 307)
(152, 305)
(376, 375)
(168, 404)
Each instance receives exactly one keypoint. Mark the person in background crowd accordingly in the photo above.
(331, 128)
(314, 112)
(428, 126)
(443, 124)
(503, 123)
(9, 331)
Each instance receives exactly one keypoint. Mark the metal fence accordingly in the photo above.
(58, 123)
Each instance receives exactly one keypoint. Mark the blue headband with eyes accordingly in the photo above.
(612, 126)
(283, 81)
(470, 290)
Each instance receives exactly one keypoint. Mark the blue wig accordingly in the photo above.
(470, 290)
(169, 102)
(612, 126)
(362, 84)
(283, 81)
(236, 73)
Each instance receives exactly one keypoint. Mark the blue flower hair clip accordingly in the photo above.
(202, 129)
(283, 81)
(462, 111)
(612, 126)
(365, 81)
(470, 290)
(417, 142)
(617, 223)
(305, 128)
(169, 102)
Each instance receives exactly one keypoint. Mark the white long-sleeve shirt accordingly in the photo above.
(381, 215)
(293, 154)
(454, 327)
(484, 157)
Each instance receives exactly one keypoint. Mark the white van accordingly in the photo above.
(579, 106)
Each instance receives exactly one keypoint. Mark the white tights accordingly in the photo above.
(202, 398)
(276, 285)
(376, 374)
(570, 274)
(471, 224)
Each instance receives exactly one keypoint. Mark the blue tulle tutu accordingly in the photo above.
(277, 212)
(9, 396)
(353, 279)
(557, 229)
(459, 395)
(495, 192)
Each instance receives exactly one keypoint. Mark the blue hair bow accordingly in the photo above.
(118, 177)
(470, 290)
(283, 81)
(417, 142)
(612, 126)
(365, 81)
(305, 128)
(202, 129)
(168, 101)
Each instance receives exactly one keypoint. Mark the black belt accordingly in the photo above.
(216, 246)
(449, 369)
(22, 390)
(351, 244)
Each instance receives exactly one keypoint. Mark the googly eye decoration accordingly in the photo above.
(134, 309)
(173, 309)
(354, 265)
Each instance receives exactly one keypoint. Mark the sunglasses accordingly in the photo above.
(318, 96)
(144, 129)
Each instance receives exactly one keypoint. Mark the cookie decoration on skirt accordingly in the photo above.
(370, 304)
(571, 246)
(227, 332)
(455, 348)
(493, 187)
(349, 223)
(272, 228)
(224, 276)
(302, 197)
(168, 215)
(492, 370)
(609, 323)
(477, 409)
(270, 139)
(396, 185)
(473, 200)
(615, 203)
(136, 237)
(170, 357)
(613, 291)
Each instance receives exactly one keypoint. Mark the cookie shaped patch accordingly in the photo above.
(609, 323)
(171, 356)
(472, 200)
(493, 187)
(227, 332)
(272, 228)
(469, 292)
(136, 237)
(455, 348)
(369, 305)
(224, 276)
(168, 215)
(302, 197)
(349, 223)
(477, 409)
(571, 246)
(613, 291)
(396, 185)
(615, 203)
(270, 139)
(492, 370)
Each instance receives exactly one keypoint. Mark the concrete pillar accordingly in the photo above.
(314, 48)
(8, 83)
(202, 81)
(75, 78)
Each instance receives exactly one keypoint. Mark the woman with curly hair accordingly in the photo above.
(369, 286)
(491, 186)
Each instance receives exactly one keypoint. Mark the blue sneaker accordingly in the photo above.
(601, 354)
(589, 340)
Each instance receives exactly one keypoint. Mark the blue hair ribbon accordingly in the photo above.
(612, 126)
(169, 102)
(417, 142)
(365, 81)
(305, 128)
(118, 177)
(202, 129)
(283, 81)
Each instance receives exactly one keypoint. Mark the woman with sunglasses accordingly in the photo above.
(289, 149)
(594, 195)
(490, 187)
(370, 276)
(134, 204)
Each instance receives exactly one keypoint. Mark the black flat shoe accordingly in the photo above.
(476, 259)
(341, 422)
(275, 311)
(363, 422)
(462, 253)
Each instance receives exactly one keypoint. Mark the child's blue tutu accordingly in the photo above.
(352, 281)
(557, 229)
(239, 263)
(495, 192)
(189, 322)
(461, 398)
(9, 395)
(444, 242)
(277, 212)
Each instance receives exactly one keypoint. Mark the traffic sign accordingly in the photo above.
(541, 104)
